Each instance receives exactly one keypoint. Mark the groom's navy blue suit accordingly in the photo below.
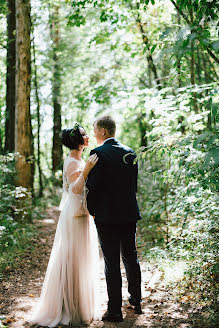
(112, 186)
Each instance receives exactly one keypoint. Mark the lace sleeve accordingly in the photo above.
(77, 187)
(75, 178)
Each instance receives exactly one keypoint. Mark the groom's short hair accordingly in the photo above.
(108, 123)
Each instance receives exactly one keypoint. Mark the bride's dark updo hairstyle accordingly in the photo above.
(72, 138)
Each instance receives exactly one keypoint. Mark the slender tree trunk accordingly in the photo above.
(35, 80)
(56, 88)
(181, 118)
(151, 69)
(178, 74)
(207, 80)
(207, 59)
(146, 43)
(192, 67)
(149, 77)
(23, 131)
(1, 148)
(178, 63)
(10, 77)
(149, 56)
(198, 65)
(143, 128)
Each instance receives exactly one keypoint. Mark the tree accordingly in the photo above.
(10, 77)
(23, 130)
(56, 87)
(37, 99)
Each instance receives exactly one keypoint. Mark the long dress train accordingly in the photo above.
(70, 292)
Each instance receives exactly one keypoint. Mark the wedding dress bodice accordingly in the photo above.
(76, 189)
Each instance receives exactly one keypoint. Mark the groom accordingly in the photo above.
(111, 199)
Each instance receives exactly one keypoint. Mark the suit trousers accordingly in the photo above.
(116, 238)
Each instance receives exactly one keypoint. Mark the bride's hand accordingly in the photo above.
(91, 162)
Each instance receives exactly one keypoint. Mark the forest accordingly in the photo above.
(153, 66)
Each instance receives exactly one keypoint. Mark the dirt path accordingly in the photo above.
(22, 288)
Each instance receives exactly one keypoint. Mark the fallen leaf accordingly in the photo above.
(185, 299)
(8, 320)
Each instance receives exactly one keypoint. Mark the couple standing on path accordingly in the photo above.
(101, 193)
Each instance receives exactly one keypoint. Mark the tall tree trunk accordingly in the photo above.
(35, 80)
(23, 131)
(56, 87)
(10, 77)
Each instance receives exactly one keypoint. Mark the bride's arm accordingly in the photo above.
(77, 179)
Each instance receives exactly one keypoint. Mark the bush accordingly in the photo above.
(180, 205)
(15, 208)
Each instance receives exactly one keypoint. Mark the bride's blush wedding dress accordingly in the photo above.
(70, 292)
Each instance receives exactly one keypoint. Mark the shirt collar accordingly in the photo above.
(108, 139)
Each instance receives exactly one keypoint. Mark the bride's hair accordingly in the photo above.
(72, 138)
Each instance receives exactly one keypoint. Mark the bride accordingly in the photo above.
(70, 290)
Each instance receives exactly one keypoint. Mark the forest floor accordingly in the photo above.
(162, 305)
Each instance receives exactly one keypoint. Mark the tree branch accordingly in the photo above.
(181, 12)
(212, 55)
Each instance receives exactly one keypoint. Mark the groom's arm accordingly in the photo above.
(135, 170)
(136, 177)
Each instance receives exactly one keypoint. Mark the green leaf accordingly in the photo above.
(202, 137)
(166, 33)
(153, 48)
(212, 155)
(215, 45)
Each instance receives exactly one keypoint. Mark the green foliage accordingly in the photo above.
(15, 207)
(180, 206)
(15, 201)
(3, 7)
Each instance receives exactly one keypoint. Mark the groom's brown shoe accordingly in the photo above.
(112, 317)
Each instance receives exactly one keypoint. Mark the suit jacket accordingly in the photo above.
(112, 184)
